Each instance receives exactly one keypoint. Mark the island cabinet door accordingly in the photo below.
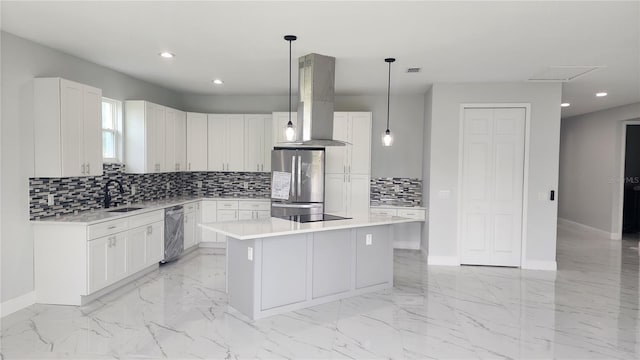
(332, 260)
(284, 271)
(374, 256)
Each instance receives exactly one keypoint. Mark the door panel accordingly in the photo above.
(98, 251)
(136, 242)
(92, 129)
(336, 156)
(492, 187)
(235, 143)
(118, 258)
(310, 176)
(196, 142)
(71, 128)
(360, 197)
(216, 142)
(360, 134)
(335, 195)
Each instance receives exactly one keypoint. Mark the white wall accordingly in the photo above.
(591, 163)
(543, 164)
(403, 159)
(426, 164)
(22, 60)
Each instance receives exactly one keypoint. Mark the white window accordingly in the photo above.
(111, 130)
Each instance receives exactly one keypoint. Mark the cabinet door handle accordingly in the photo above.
(88, 168)
(344, 168)
(262, 167)
(349, 169)
(149, 230)
(82, 169)
(111, 227)
(189, 166)
(257, 167)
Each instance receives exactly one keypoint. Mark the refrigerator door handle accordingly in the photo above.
(300, 206)
(299, 169)
(293, 175)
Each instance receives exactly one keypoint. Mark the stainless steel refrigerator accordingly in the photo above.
(303, 170)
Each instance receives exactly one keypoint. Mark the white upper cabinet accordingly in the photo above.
(144, 137)
(348, 168)
(67, 128)
(225, 142)
(175, 139)
(280, 121)
(258, 144)
(196, 142)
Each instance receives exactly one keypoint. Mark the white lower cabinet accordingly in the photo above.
(93, 256)
(189, 229)
(231, 210)
(406, 236)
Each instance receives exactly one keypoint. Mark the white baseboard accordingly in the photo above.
(18, 303)
(578, 226)
(540, 265)
(443, 260)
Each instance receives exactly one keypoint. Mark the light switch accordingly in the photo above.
(51, 199)
(368, 239)
(396, 188)
(199, 183)
(168, 186)
(134, 189)
(250, 253)
(246, 184)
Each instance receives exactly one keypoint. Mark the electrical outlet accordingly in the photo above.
(246, 184)
(199, 184)
(134, 189)
(250, 253)
(396, 188)
(168, 186)
(368, 239)
(51, 200)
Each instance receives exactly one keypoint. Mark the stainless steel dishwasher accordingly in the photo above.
(173, 233)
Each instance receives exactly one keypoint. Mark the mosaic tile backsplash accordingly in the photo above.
(86, 193)
(396, 192)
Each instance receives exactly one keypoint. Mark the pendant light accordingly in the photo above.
(290, 132)
(387, 136)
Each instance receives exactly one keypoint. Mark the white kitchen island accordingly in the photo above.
(276, 265)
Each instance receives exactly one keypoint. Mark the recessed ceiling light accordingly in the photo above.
(167, 55)
(565, 104)
(601, 94)
(218, 82)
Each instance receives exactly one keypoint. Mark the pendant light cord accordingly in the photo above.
(388, 95)
(289, 123)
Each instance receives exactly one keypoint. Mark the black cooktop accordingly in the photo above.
(313, 218)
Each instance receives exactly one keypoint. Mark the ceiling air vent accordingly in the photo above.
(563, 73)
(414, 70)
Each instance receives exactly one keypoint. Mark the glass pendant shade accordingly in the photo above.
(290, 132)
(387, 138)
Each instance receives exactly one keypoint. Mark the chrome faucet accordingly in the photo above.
(107, 194)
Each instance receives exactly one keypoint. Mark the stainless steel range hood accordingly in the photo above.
(316, 93)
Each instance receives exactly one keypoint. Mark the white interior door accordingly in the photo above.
(492, 186)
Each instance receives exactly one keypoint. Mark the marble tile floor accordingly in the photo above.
(586, 310)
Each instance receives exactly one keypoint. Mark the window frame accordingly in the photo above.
(116, 131)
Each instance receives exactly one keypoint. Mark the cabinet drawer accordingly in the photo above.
(146, 219)
(412, 214)
(228, 204)
(190, 207)
(107, 228)
(387, 212)
(254, 205)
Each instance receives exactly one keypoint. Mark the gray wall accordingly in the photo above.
(22, 60)
(591, 163)
(543, 162)
(403, 159)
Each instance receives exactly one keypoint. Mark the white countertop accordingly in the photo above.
(101, 215)
(256, 229)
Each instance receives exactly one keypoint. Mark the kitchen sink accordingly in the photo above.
(126, 209)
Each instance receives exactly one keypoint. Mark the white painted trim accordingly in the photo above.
(443, 260)
(540, 265)
(525, 184)
(617, 226)
(18, 303)
(573, 225)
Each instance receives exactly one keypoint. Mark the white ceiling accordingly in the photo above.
(241, 42)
